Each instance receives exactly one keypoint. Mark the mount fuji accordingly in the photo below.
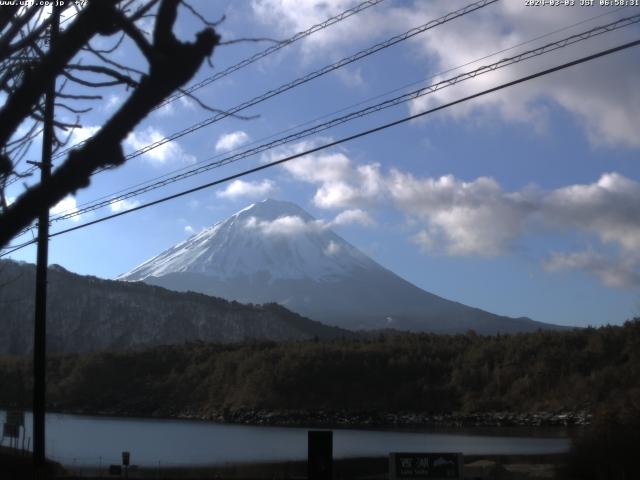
(274, 251)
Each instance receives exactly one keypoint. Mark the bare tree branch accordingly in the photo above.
(119, 77)
(213, 109)
(7, 14)
(106, 51)
(142, 11)
(57, 123)
(171, 64)
(73, 110)
(17, 23)
(96, 18)
(136, 35)
(102, 56)
(200, 17)
(79, 97)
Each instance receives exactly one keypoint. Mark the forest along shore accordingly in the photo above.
(387, 380)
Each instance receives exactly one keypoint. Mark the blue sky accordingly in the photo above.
(523, 202)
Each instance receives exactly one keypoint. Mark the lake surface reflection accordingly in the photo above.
(87, 440)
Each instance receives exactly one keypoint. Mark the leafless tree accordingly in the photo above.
(28, 64)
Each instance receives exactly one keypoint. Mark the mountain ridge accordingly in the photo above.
(86, 313)
(274, 251)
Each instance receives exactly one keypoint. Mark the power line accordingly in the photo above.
(167, 180)
(324, 116)
(254, 58)
(545, 49)
(243, 63)
(304, 79)
(389, 103)
(351, 137)
(299, 81)
(295, 83)
(376, 97)
(272, 49)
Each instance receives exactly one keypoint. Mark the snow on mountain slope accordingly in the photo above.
(274, 237)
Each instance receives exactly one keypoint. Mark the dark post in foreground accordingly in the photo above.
(320, 455)
(40, 327)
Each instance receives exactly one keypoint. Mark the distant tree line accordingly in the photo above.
(596, 369)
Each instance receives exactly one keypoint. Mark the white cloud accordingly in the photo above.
(242, 189)
(607, 208)
(166, 110)
(474, 217)
(353, 216)
(121, 205)
(341, 184)
(465, 218)
(612, 273)
(351, 77)
(332, 249)
(297, 15)
(187, 103)
(362, 187)
(83, 133)
(608, 115)
(607, 112)
(65, 206)
(287, 17)
(113, 100)
(169, 108)
(480, 218)
(189, 230)
(168, 153)
(229, 141)
(294, 225)
(318, 169)
(285, 225)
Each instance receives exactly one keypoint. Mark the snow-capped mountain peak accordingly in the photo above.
(273, 238)
(274, 251)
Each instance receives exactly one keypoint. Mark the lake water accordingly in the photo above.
(77, 440)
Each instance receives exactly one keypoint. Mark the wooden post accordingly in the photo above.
(320, 455)
(40, 327)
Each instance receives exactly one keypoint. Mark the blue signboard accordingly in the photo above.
(431, 466)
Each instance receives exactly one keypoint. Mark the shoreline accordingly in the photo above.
(366, 420)
(475, 466)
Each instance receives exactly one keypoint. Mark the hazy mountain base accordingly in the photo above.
(590, 370)
(363, 300)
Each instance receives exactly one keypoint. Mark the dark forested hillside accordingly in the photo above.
(583, 369)
(87, 313)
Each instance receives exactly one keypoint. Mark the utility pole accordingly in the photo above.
(40, 328)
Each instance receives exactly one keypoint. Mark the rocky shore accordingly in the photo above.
(353, 419)
(327, 418)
